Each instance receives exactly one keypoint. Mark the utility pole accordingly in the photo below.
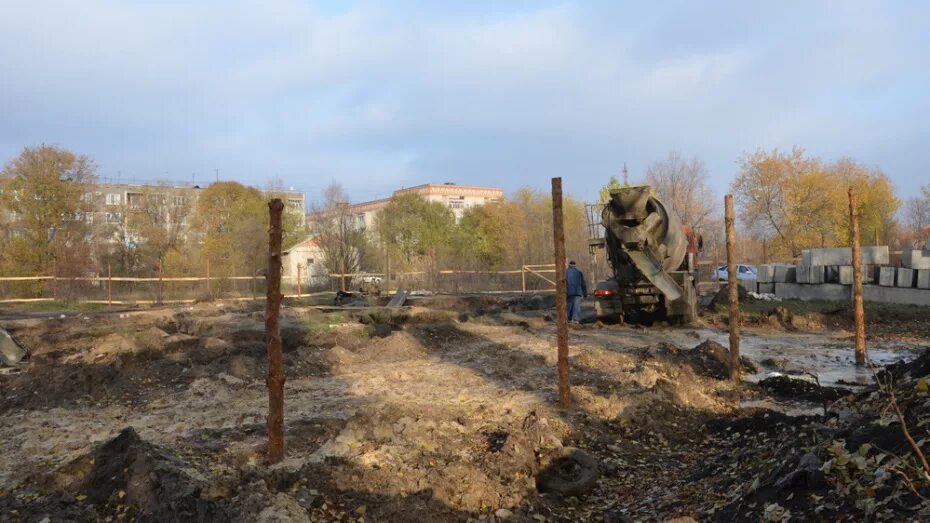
(626, 176)
(732, 285)
(561, 305)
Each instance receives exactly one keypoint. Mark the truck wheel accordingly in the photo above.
(572, 472)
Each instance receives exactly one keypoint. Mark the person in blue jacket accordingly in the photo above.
(574, 282)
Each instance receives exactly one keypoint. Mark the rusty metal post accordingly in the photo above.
(858, 308)
(733, 287)
(298, 280)
(561, 305)
(109, 285)
(275, 380)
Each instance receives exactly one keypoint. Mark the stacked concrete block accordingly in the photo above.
(886, 276)
(915, 259)
(906, 277)
(785, 273)
(765, 273)
(846, 275)
(923, 278)
(802, 274)
(874, 255)
(818, 274)
(765, 288)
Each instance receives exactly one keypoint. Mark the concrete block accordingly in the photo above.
(803, 274)
(765, 273)
(873, 255)
(846, 275)
(785, 273)
(765, 288)
(868, 274)
(923, 278)
(818, 274)
(906, 278)
(915, 259)
(831, 274)
(896, 295)
(886, 276)
(826, 291)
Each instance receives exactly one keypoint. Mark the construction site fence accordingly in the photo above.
(124, 290)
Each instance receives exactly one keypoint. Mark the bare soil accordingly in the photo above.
(445, 411)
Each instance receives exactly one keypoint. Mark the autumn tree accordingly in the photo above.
(603, 194)
(683, 187)
(338, 232)
(785, 197)
(878, 203)
(43, 190)
(798, 202)
(412, 227)
(484, 234)
(231, 221)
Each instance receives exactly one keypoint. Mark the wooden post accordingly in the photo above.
(523, 278)
(109, 285)
(342, 272)
(55, 281)
(733, 285)
(209, 288)
(298, 280)
(275, 380)
(764, 256)
(558, 235)
(858, 308)
(161, 283)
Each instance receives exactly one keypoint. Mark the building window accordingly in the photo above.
(114, 217)
(295, 202)
(114, 198)
(309, 262)
(456, 205)
(179, 201)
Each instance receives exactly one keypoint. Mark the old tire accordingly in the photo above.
(572, 472)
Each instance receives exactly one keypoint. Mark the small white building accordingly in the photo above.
(308, 254)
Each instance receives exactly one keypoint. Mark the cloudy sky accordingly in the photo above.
(378, 95)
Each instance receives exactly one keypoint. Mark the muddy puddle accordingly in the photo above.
(830, 357)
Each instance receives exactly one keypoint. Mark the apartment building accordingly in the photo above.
(116, 204)
(457, 197)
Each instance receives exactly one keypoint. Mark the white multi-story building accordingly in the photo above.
(457, 197)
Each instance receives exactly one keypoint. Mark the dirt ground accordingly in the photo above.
(446, 411)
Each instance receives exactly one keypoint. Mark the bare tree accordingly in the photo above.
(683, 186)
(338, 232)
(917, 216)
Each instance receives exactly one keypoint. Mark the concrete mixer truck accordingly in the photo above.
(652, 258)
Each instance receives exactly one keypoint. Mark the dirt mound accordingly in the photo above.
(709, 358)
(786, 387)
(722, 298)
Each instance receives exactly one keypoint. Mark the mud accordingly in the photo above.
(442, 411)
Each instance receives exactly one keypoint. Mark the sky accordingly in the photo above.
(383, 95)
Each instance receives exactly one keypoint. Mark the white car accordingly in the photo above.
(371, 279)
(743, 272)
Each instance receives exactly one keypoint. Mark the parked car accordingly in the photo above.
(743, 272)
(370, 278)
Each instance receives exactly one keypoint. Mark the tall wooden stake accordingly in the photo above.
(161, 283)
(275, 380)
(109, 286)
(858, 309)
(561, 305)
(732, 284)
(298, 280)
